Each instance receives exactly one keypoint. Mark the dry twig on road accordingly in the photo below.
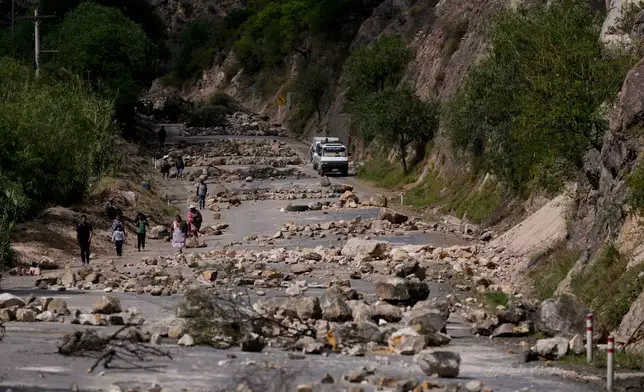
(125, 345)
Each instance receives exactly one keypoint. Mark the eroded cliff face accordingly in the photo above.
(176, 13)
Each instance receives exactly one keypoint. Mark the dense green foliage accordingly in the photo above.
(551, 268)
(310, 86)
(532, 107)
(54, 136)
(100, 43)
(384, 110)
(607, 287)
(398, 118)
(372, 68)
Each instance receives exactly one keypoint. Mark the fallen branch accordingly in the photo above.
(124, 345)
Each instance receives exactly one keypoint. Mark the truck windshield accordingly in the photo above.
(334, 151)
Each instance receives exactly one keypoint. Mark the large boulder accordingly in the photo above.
(553, 348)
(402, 291)
(378, 200)
(357, 246)
(25, 315)
(69, 278)
(392, 216)
(564, 315)
(406, 341)
(107, 305)
(325, 182)
(58, 307)
(8, 300)
(440, 363)
(334, 307)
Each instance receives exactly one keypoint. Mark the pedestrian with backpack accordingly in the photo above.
(202, 191)
(165, 168)
(118, 237)
(180, 165)
(141, 223)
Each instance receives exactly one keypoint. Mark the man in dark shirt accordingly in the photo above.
(84, 233)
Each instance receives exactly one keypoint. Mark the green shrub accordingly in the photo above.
(387, 175)
(608, 287)
(635, 182)
(496, 298)
(370, 69)
(535, 99)
(197, 46)
(551, 268)
(310, 86)
(208, 116)
(54, 135)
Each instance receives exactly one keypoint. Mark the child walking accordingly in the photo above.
(118, 236)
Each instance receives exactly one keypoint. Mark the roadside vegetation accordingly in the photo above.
(551, 268)
(532, 108)
(58, 129)
(607, 287)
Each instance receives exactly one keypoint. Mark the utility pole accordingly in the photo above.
(37, 18)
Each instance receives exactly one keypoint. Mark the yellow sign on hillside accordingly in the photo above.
(281, 100)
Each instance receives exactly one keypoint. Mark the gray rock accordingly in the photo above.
(378, 200)
(357, 246)
(410, 269)
(334, 307)
(429, 320)
(385, 311)
(58, 307)
(132, 316)
(25, 315)
(402, 291)
(407, 341)
(107, 305)
(503, 330)
(325, 182)
(252, 342)
(8, 300)
(553, 348)
(302, 307)
(91, 319)
(327, 379)
(7, 314)
(576, 345)
(392, 216)
(46, 316)
(474, 386)
(68, 279)
(186, 341)
(441, 363)
(315, 206)
(564, 315)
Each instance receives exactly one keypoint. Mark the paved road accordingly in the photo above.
(28, 360)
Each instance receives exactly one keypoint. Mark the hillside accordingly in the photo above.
(570, 169)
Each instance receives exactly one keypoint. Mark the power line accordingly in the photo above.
(37, 18)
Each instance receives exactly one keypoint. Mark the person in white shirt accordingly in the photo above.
(118, 237)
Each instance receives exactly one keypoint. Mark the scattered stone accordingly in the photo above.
(440, 363)
(564, 315)
(107, 305)
(553, 348)
(378, 200)
(46, 316)
(186, 341)
(406, 342)
(57, 306)
(402, 291)
(8, 300)
(474, 386)
(327, 379)
(357, 246)
(392, 216)
(252, 342)
(25, 315)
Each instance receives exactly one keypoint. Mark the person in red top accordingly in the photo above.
(194, 220)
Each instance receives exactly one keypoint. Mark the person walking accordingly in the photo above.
(84, 232)
(180, 164)
(179, 230)
(194, 220)
(118, 221)
(141, 223)
(118, 237)
(202, 191)
(162, 136)
(165, 168)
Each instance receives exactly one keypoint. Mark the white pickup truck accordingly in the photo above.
(329, 156)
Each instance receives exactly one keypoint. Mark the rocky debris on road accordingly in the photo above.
(439, 363)
(107, 305)
(228, 175)
(242, 124)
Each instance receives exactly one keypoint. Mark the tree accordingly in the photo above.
(102, 44)
(533, 106)
(372, 68)
(310, 86)
(397, 117)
